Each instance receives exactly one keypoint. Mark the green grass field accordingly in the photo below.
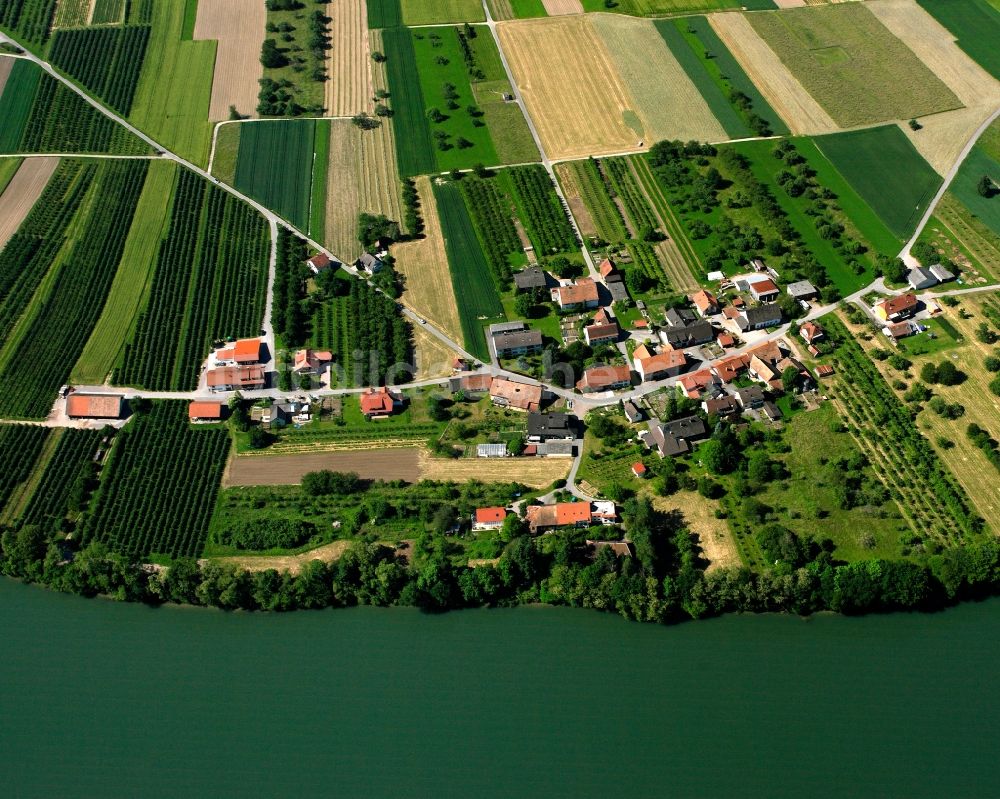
(521, 9)
(130, 288)
(985, 209)
(172, 100)
(645, 8)
(433, 12)
(976, 26)
(414, 145)
(470, 272)
(8, 168)
(227, 148)
(15, 103)
(384, 14)
(321, 160)
(275, 166)
(440, 65)
(886, 171)
(852, 65)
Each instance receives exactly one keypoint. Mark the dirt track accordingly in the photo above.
(290, 563)
(22, 193)
(238, 26)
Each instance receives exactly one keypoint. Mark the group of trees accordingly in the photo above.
(304, 52)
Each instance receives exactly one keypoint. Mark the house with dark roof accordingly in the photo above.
(631, 411)
(692, 335)
(369, 263)
(533, 277)
(750, 397)
(723, 406)
(759, 317)
(920, 278)
(517, 342)
(680, 317)
(551, 427)
(675, 437)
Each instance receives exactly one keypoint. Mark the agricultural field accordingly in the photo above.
(173, 99)
(423, 266)
(415, 153)
(384, 14)
(29, 20)
(71, 14)
(980, 162)
(539, 210)
(276, 165)
(39, 353)
(602, 84)
(473, 282)
(589, 199)
(942, 136)
(106, 61)
(208, 284)
(159, 486)
(361, 177)
(130, 288)
(19, 195)
(58, 497)
(106, 11)
(435, 12)
(834, 50)
(641, 8)
(976, 26)
(21, 445)
(349, 65)
(238, 27)
(516, 9)
(42, 115)
(887, 172)
(957, 235)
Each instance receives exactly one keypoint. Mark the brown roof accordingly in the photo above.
(205, 410)
(763, 287)
(477, 383)
(696, 382)
(899, 330)
(518, 395)
(810, 330)
(894, 305)
(242, 376)
(606, 267)
(584, 290)
(824, 370)
(601, 377)
(602, 331)
(320, 260)
(730, 312)
(671, 359)
(376, 401)
(562, 513)
(94, 406)
(728, 369)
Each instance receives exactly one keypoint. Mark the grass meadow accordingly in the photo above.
(976, 26)
(227, 148)
(384, 14)
(414, 146)
(478, 300)
(986, 209)
(433, 12)
(8, 168)
(886, 170)
(517, 9)
(852, 65)
(275, 165)
(644, 8)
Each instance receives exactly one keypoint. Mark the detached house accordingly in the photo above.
(488, 518)
(319, 263)
(531, 278)
(759, 317)
(380, 402)
(896, 309)
(311, 361)
(369, 263)
(764, 291)
(236, 378)
(578, 295)
(516, 396)
(705, 302)
(603, 330)
(562, 514)
(604, 378)
(666, 364)
(244, 352)
(811, 332)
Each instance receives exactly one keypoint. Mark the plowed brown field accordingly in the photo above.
(238, 26)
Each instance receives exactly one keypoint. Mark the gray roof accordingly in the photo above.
(556, 448)
(491, 450)
(801, 288)
(921, 278)
(531, 278)
(688, 336)
(688, 427)
(941, 273)
(506, 327)
(617, 290)
(680, 317)
(759, 315)
(550, 425)
(632, 413)
(517, 339)
(772, 411)
(750, 395)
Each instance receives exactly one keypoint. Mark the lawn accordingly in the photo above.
(275, 165)
(462, 137)
(938, 336)
(478, 300)
(517, 9)
(414, 146)
(985, 209)
(433, 12)
(130, 288)
(227, 147)
(976, 26)
(886, 170)
(852, 65)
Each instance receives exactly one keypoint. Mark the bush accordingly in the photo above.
(327, 482)
(268, 534)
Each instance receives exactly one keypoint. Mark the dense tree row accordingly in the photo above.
(67, 481)
(492, 217)
(623, 183)
(21, 445)
(262, 534)
(49, 348)
(159, 486)
(541, 210)
(107, 61)
(290, 274)
(30, 19)
(208, 284)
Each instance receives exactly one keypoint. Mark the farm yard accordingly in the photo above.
(349, 65)
(238, 27)
(19, 195)
(173, 99)
(423, 266)
(276, 165)
(131, 285)
(886, 170)
(159, 485)
(833, 50)
(208, 283)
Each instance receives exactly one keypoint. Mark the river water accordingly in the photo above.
(99, 699)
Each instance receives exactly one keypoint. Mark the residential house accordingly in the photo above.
(603, 330)
(380, 402)
(205, 411)
(311, 361)
(692, 335)
(921, 278)
(516, 396)
(764, 291)
(604, 511)
(750, 397)
(492, 450)
(614, 280)
(369, 263)
(764, 371)
(801, 290)
(621, 549)
(578, 295)
(895, 309)
(279, 414)
(319, 263)
(771, 411)
(728, 369)
(471, 384)
(811, 332)
(94, 406)
(726, 340)
(533, 277)
(562, 514)
(631, 411)
(244, 352)
(488, 518)
(723, 406)
(680, 317)
(656, 367)
(517, 342)
(759, 317)
(604, 378)
(705, 302)
(899, 330)
(551, 427)
(674, 438)
(699, 384)
(236, 378)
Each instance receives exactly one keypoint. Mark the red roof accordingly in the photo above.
(671, 359)
(639, 468)
(726, 340)
(242, 376)
(205, 410)
(320, 260)
(94, 406)
(376, 402)
(477, 383)
(572, 512)
(247, 350)
(823, 370)
(599, 332)
(523, 396)
(694, 383)
(640, 324)
(810, 331)
(490, 515)
(599, 378)
(583, 291)
(895, 305)
(704, 301)
(606, 267)
(763, 287)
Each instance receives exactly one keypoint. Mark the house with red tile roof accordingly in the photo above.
(562, 514)
(488, 518)
(311, 360)
(236, 378)
(604, 378)
(898, 308)
(665, 364)
(379, 402)
(705, 302)
(764, 291)
(205, 411)
(319, 263)
(581, 294)
(516, 396)
(697, 384)
(811, 332)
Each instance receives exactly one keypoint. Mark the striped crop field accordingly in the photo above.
(414, 147)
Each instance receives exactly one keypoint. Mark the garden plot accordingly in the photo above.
(238, 26)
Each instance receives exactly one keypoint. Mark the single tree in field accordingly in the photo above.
(985, 186)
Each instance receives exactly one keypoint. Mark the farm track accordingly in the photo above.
(238, 27)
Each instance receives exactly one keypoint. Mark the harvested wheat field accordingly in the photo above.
(423, 264)
(532, 472)
(432, 357)
(361, 176)
(384, 464)
(555, 8)
(238, 26)
(284, 563)
(349, 64)
(714, 536)
(779, 86)
(942, 136)
(22, 193)
(570, 85)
